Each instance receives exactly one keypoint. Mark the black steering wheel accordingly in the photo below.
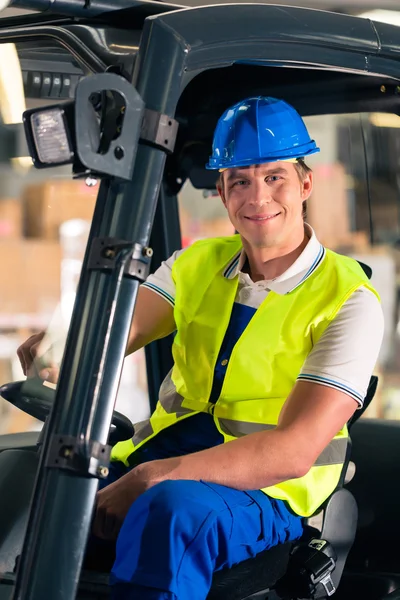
(35, 398)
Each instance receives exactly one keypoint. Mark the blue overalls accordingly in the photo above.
(178, 533)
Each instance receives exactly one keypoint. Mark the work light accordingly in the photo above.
(49, 135)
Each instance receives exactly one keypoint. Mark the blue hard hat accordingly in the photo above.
(259, 130)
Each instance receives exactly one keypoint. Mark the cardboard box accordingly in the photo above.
(10, 218)
(48, 205)
(327, 209)
(29, 276)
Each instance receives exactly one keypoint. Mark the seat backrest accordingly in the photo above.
(373, 384)
(367, 270)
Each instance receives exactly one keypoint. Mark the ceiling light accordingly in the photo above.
(385, 120)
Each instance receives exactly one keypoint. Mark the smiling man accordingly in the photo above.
(276, 339)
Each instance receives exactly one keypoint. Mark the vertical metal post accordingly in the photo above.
(61, 513)
(165, 239)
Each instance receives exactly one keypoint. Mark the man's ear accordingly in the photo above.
(307, 186)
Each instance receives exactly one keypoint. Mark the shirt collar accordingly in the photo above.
(298, 272)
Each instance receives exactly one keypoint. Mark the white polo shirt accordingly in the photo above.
(345, 355)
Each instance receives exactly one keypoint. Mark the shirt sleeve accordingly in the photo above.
(161, 281)
(345, 356)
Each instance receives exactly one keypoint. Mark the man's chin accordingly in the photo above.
(259, 243)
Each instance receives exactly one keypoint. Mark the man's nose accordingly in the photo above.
(260, 194)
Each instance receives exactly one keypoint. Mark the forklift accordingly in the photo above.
(147, 82)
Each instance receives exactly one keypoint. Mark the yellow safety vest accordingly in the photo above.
(264, 364)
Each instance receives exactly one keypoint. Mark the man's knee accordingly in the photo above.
(172, 497)
(172, 512)
(171, 508)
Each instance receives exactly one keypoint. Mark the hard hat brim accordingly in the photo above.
(214, 166)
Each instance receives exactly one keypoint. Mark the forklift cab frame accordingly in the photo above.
(176, 69)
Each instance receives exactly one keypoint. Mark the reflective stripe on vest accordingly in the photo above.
(334, 453)
(264, 363)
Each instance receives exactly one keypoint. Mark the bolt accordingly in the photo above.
(109, 252)
(123, 109)
(95, 100)
(90, 181)
(119, 153)
(383, 89)
(147, 252)
(397, 89)
(66, 452)
(102, 471)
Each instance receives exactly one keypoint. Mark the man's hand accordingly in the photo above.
(112, 505)
(29, 356)
(153, 319)
(114, 501)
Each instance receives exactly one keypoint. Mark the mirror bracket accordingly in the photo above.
(159, 130)
(118, 159)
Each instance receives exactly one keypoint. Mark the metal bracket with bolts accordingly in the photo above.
(104, 254)
(83, 458)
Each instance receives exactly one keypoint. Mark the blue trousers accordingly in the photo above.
(178, 533)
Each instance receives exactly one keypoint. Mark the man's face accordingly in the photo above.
(265, 202)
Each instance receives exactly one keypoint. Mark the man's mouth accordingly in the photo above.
(262, 217)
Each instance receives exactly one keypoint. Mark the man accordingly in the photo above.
(276, 339)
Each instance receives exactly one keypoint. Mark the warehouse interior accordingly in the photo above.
(45, 217)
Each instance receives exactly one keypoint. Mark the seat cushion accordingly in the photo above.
(252, 575)
(242, 580)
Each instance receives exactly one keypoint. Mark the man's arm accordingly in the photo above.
(312, 415)
(153, 319)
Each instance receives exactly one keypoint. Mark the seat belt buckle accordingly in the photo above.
(328, 584)
(321, 565)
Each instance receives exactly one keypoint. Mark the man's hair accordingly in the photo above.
(302, 169)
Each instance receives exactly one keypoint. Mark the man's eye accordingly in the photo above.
(239, 182)
(274, 178)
